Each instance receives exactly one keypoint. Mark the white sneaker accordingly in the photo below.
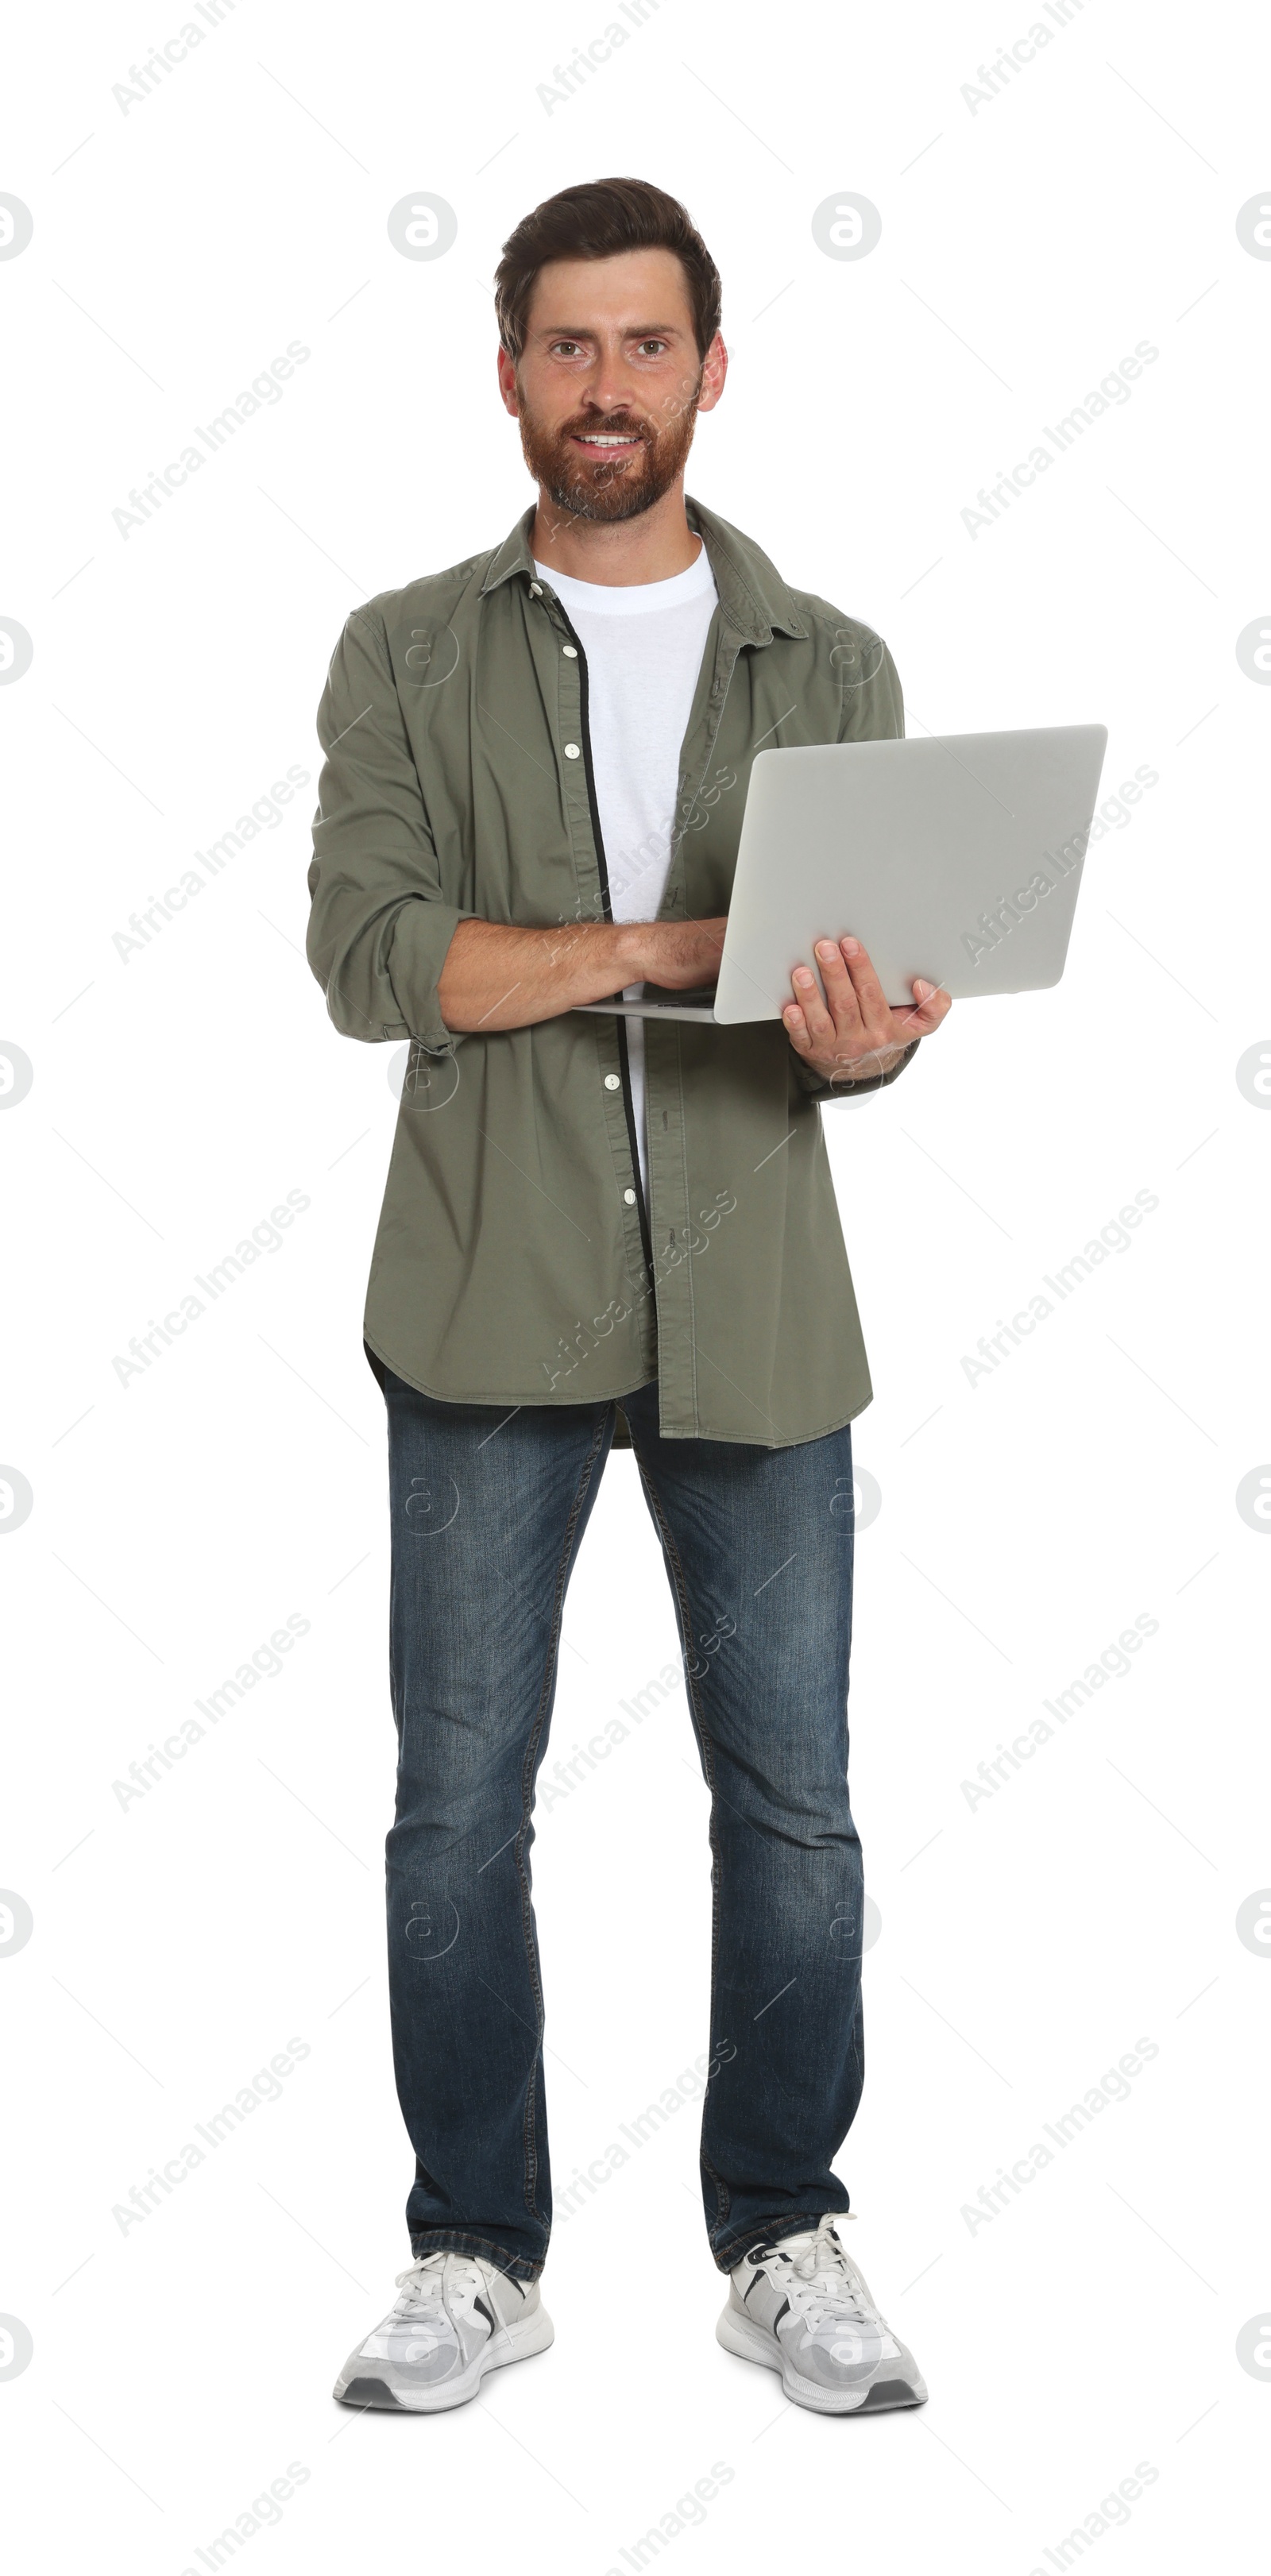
(457, 2317)
(803, 2308)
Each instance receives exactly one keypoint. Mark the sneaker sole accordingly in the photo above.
(397, 2397)
(750, 2343)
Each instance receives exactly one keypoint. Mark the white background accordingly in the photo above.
(1027, 245)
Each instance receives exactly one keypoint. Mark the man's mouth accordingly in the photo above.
(606, 439)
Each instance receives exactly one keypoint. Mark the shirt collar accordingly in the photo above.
(752, 594)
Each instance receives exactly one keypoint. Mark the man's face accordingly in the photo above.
(609, 382)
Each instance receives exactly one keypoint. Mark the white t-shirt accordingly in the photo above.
(644, 644)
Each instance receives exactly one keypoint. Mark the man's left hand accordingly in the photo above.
(854, 1032)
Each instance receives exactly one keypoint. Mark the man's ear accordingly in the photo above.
(714, 371)
(507, 383)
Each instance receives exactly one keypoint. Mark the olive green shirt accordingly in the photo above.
(516, 1261)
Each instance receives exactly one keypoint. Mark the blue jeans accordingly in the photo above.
(488, 1512)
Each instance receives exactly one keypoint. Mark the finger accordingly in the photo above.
(861, 1010)
(931, 1005)
(874, 1007)
(824, 1053)
(807, 993)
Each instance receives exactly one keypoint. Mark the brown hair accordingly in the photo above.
(595, 221)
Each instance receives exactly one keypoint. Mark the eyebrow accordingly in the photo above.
(630, 331)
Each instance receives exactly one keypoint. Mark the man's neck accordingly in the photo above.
(653, 547)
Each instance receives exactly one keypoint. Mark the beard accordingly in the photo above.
(607, 488)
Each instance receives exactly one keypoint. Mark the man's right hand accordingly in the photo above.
(499, 976)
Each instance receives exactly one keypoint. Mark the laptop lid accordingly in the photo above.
(953, 857)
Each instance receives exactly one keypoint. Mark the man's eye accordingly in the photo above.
(653, 344)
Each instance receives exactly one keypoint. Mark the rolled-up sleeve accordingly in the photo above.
(379, 926)
(873, 711)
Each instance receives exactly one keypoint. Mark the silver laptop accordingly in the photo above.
(954, 857)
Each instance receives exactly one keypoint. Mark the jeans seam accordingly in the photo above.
(707, 1749)
(527, 1790)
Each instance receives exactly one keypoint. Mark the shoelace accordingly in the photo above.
(820, 2281)
(423, 2286)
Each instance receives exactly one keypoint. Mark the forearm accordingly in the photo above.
(499, 975)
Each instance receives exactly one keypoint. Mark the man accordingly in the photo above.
(593, 1228)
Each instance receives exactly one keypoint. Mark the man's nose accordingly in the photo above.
(610, 387)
